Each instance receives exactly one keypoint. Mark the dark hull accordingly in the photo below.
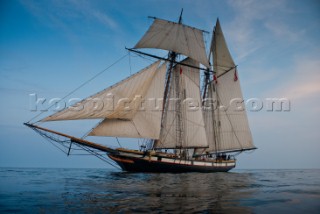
(133, 164)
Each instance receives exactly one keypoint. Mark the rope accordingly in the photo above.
(51, 139)
(83, 84)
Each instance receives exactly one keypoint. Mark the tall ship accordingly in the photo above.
(186, 109)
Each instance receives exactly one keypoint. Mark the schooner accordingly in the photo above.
(190, 112)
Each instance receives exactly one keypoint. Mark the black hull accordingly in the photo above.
(133, 164)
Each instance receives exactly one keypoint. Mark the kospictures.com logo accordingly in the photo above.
(138, 103)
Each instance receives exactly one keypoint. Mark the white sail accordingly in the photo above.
(209, 108)
(233, 132)
(119, 101)
(146, 122)
(175, 37)
(222, 59)
(227, 125)
(188, 131)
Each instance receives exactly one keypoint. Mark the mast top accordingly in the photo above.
(180, 18)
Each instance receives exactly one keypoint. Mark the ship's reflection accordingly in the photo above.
(196, 192)
(169, 193)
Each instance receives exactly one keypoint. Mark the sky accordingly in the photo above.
(49, 48)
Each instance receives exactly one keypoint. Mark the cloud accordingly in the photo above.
(281, 30)
(90, 12)
(258, 24)
(61, 14)
(300, 84)
(304, 79)
(103, 18)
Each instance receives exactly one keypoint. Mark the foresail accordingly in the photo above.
(188, 131)
(175, 37)
(116, 102)
(146, 121)
(222, 59)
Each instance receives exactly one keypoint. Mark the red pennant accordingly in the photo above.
(235, 76)
(215, 79)
(180, 70)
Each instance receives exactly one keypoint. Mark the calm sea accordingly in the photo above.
(31, 190)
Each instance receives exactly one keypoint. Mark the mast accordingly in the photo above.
(179, 124)
(229, 124)
(180, 129)
(216, 115)
(172, 59)
(209, 95)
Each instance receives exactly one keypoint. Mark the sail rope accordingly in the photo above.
(145, 57)
(229, 119)
(80, 86)
(130, 63)
(65, 146)
(134, 125)
(89, 131)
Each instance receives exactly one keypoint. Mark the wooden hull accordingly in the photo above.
(153, 163)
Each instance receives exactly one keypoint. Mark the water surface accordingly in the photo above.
(108, 190)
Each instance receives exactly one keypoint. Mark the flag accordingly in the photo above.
(235, 75)
(215, 79)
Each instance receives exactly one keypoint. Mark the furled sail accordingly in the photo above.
(146, 121)
(120, 101)
(222, 59)
(175, 37)
(183, 125)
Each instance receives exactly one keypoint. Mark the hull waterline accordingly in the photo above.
(139, 164)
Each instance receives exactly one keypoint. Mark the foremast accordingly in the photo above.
(170, 85)
(180, 129)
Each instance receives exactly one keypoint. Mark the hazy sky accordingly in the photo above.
(49, 48)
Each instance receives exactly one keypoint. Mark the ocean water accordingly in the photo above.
(32, 190)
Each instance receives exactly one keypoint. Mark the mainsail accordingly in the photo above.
(226, 121)
(232, 123)
(222, 59)
(209, 108)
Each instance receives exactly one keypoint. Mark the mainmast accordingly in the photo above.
(228, 127)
